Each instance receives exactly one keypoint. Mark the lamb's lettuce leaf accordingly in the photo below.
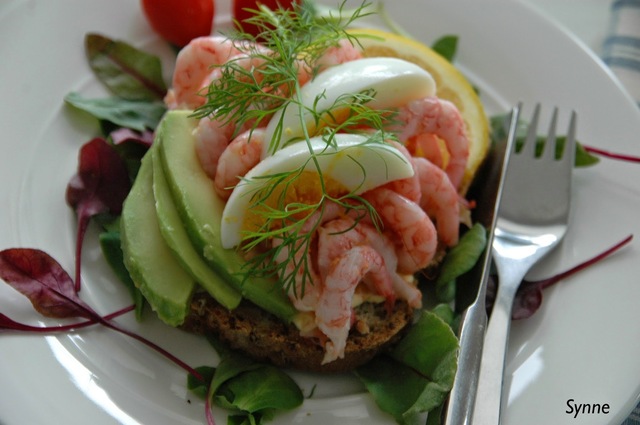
(415, 378)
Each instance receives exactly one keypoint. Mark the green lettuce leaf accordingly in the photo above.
(260, 389)
(111, 246)
(198, 387)
(127, 72)
(446, 46)
(137, 115)
(498, 132)
(459, 260)
(253, 391)
(416, 377)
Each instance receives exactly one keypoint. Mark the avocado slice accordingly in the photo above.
(176, 237)
(200, 209)
(151, 264)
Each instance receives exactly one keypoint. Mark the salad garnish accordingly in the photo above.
(52, 293)
(93, 194)
(99, 187)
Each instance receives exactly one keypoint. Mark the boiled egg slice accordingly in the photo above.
(393, 82)
(350, 164)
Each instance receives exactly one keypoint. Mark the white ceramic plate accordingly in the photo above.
(583, 344)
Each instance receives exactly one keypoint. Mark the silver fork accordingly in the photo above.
(532, 219)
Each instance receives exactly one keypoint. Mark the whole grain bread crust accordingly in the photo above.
(266, 338)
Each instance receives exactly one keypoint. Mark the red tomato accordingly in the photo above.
(241, 11)
(179, 21)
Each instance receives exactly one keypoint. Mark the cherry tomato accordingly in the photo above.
(241, 11)
(180, 21)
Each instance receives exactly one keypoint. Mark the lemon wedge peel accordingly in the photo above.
(451, 85)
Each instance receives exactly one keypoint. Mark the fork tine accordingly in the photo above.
(529, 148)
(569, 151)
(549, 148)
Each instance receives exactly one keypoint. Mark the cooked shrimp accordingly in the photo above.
(212, 138)
(193, 70)
(384, 246)
(334, 311)
(406, 291)
(249, 62)
(241, 155)
(339, 236)
(409, 187)
(344, 52)
(306, 290)
(253, 60)
(439, 199)
(415, 233)
(427, 146)
(431, 115)
(431, 188)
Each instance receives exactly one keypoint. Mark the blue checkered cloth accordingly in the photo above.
(621, 52)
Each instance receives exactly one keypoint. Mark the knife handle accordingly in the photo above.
(463, 394)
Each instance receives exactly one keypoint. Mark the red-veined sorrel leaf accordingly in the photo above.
(529, 296)
(128, 72)
(41, 279)
(100, 186)
(126, 135)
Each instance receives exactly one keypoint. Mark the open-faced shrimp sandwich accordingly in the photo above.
(292, 196)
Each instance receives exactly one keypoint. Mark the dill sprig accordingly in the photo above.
(291, 239)
(279, 247)
(263, 80)
(289, 42)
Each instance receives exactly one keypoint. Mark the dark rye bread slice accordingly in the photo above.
(266, 338)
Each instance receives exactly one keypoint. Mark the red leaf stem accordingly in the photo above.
(529, 296)
(544, 283)
(612, 155)
(7, 323)
(39, 277)
(209, 411)
(100, 186)
(155, 347)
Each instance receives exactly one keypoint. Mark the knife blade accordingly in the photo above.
(470, 297)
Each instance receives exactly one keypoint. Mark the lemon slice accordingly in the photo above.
(450, 85)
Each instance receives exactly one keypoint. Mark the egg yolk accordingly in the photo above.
(285, 196)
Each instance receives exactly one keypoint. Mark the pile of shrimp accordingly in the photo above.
(418, 214)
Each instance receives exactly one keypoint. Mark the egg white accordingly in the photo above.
(349, 160)
(394, 82)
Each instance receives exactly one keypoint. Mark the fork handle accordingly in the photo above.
(490, 380)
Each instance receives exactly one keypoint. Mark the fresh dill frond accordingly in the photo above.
(264, 80)
(286, 258)
(264, 76)
(285, 235)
